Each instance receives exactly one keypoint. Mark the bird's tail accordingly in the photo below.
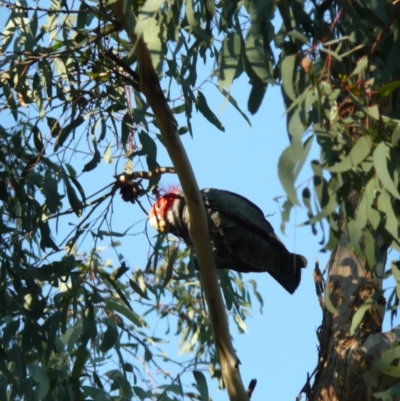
(289, 274)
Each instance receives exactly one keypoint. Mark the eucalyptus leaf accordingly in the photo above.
(128, 313)
(201, 385)
(381, 157)
(92, 164)
(359, 315)
(358, 153)
(41, 378)
(202, 105)
(229, 60)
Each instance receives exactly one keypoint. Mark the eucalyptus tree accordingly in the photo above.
(84, 83)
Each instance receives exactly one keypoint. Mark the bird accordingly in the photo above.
(242, 239)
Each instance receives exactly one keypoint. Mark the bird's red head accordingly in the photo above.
(158, 215)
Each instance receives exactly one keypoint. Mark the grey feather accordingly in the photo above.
(242, 239)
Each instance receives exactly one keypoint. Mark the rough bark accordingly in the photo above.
(346, 363)
(150, 87)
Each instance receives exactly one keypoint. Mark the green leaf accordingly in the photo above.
(128, 313)
(203, 107)
(256, 96)
(298, 36)
(300, 99)
(153, 37)
(358, 153)
(396, 136)
(9, 97)
(174, 388)
(79, 187)
(103, 130)
(37, 94)
(120, 271)
(289, 166)
(146, 16)
(331, 53)
(378, 9)
(226, 287)
(107, 154)
(287, 71)
(97, 394)
(126, 127)
(41, 378)
(201, 385)
(50, 192)
(82, 15)
(387, 358)
(306, 195)
(396, 275)
(257, 59)
(9, 29)
(46, 240)
(54, 126)
(183, 130)
(286, 166)
(95, 160)
(356, 227)
(38, 139)
(75, 203)
(285, 214)
(121, 384)
(373, 111)
(82, 355)
(296, 123)
(328, 303)
(170, 266)
(104, 233)
(227, 12)
(179, 109)
(386, 90)
(361, 65)
(331, 206)
(149, 147)
(47, 76)
(391, 223)
(138, 290)
(381, 156)
(142, 394)
(110, 336)
(234, 103)
(180, 392)
(228, 60)
(358, 316)
(66, 131)
(391, 394)
(370, 248)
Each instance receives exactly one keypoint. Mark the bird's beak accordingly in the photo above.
(158, 224)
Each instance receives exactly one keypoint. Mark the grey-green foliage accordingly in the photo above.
(338, 66)
(73, 325)
(344, 94)
(65, 311)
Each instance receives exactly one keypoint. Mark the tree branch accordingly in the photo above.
(150, 87)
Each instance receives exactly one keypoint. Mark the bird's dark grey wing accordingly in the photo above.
(240, 210)
(245, 241)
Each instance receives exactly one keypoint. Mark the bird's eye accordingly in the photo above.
(158, 206)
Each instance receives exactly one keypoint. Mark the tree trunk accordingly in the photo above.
(345, 361)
